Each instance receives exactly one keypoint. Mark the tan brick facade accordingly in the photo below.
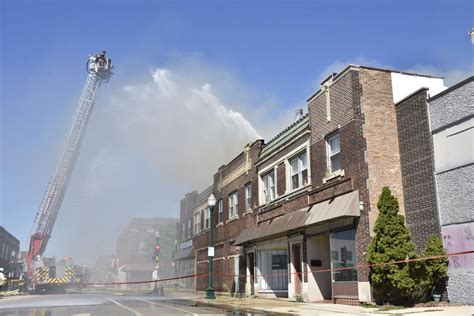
(380, 132)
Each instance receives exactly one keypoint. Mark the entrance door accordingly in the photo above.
(296, 249)
(251, 261)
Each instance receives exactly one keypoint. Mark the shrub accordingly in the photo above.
(431, 275)
(393, 283)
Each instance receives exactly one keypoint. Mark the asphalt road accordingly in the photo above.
(109, 304)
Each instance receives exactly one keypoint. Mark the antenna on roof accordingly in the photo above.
(298, 114)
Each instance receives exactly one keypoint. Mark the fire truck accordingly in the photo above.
(44, 274)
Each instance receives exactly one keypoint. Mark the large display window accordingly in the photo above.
(343, 255)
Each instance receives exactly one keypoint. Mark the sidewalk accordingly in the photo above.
(284, 306)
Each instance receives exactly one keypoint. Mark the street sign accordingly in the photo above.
(210, 251)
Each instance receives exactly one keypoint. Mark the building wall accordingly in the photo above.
(451, 107)
(451, 116)
(136, 244)
(417, 162)
(229, 260)
(347, 119)
(8, 244)
(380, 133)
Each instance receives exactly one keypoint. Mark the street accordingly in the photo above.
(110, 304)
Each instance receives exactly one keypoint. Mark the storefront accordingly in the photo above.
(185, 265)
(292, 255)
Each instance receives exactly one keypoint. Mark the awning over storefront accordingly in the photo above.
(343, 206)
(184, 253)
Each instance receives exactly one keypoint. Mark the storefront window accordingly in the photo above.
(273, 270)
(343, 255)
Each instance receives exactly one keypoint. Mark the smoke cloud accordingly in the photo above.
(149, 142)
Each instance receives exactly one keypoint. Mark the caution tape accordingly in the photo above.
(144, 282)
(358, 267)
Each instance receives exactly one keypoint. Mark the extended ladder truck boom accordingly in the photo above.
(99, 69)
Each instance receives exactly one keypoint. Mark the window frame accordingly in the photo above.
(220, 211)
(233, 209)
(272, 188)
(329, 155)
(190, 227)
(301, 159)
(248, 196)
(207, 218)
(197, 222)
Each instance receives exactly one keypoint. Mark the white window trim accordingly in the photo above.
(232, 216)
(220, 211)
(207, 218)
(274, 166)
(190, 227)
(289, 180)
(247, 197)
(262, 186)
(328, 154)
(197, 223)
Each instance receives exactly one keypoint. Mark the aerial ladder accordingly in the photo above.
(43, 276)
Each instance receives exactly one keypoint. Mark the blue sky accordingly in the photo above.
(268, 55)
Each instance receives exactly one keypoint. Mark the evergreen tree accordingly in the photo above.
(431, 274)
(392, 283)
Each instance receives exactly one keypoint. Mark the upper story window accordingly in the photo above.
(197, 222)
(334, 158)
(189, 227)
(220, 211)
(183, 230)
(207, 218)
(299, 171)
(268, 180)
(233, 205)
(248, 197)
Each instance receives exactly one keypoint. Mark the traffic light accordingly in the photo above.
(157, 250)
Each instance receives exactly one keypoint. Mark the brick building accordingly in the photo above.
(184, 253)
(354, 152)
(417, 163)
(234, 187)
(313, 191)
(136, 246)
(9, 251)
(436, 152)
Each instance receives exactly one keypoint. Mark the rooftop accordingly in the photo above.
(286, 135)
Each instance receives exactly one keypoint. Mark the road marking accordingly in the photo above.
(175, 308)
(126, 307)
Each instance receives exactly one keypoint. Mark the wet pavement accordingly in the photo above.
(110, 304)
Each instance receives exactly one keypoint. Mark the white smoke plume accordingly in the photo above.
(183, 129)
(152, 141)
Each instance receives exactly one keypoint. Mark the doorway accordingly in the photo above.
(296, 250)
(251, 265)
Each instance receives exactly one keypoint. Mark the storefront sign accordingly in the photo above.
(186, 244)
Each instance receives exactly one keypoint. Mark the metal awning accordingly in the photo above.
(339, 207)
(184, 253)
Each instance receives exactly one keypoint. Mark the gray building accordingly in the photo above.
(451, 114)
(9, 248)
(136, 249)
(184, 253)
